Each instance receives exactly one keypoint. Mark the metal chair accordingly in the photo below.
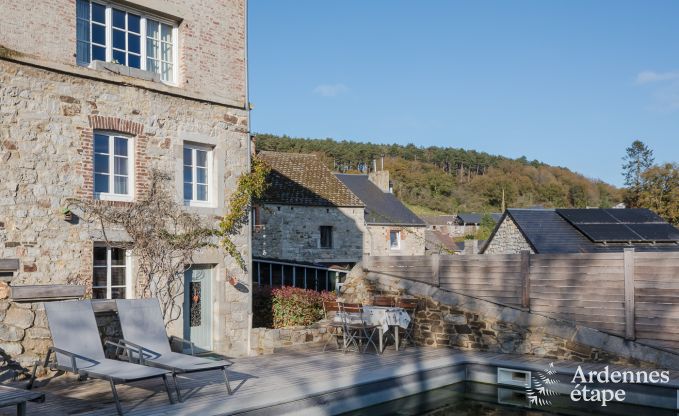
(330, 310)
(410, 306)
(356, 330)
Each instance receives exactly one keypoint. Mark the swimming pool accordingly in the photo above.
(480, 399)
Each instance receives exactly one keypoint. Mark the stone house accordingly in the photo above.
(391, 229)
(581, 231)
(93, 97)
(308, 227)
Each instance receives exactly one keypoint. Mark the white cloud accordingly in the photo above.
(330, 90)
(647, 77)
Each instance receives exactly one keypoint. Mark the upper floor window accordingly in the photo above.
(326, 236)
(197, 174)
(112, 166)
(111, 273)
(127, 37)
(394, 240)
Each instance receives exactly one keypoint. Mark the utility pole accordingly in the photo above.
(503, 199)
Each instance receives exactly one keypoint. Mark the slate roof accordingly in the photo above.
(303, 179)
(382, 208)
(434, 240)
(475, 218)
(440, 219)
(548, 232)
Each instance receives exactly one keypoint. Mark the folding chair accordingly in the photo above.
(356, 330)
(330, 310)
(410, 306)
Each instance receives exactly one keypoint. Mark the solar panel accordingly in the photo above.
(600, 233)
(586, 216)
(656, 232)
(635, 215)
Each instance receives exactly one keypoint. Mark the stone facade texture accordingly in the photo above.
(292, 232)
(267, 340)
(211, 50)
(49, 109)
(376, 241)
(507, 239)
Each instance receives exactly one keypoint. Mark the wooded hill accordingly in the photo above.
(452, 180)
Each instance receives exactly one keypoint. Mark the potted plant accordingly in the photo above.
(233, 280)
(68, 214)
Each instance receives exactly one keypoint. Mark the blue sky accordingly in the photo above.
(570, 83)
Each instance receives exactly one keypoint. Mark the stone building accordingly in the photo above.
(93, 97)
(581, 231)
(391, 229)
(308, 227)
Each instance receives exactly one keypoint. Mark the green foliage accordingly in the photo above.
(250, 186)
(486, 227)
(659, 191)
(452, 180)
(293, 306)
(638, 158)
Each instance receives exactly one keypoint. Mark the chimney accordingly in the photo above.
(381, 179)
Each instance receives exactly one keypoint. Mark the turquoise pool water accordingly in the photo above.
(477, 399)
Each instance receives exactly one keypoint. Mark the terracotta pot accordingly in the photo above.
(233, 281)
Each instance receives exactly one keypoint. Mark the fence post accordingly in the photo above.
(435, 269)
(525, 276)
(628, 260)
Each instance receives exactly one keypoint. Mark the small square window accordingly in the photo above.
(326, 236)
(394, 240)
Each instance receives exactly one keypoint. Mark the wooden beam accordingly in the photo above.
(46, 292)
(525, 277)
(628, 259)
(9, 265)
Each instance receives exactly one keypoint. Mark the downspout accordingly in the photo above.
(249, 167)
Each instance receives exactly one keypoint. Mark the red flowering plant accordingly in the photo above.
(293, 306)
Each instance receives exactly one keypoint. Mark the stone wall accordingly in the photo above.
(508, 239)
(211, 50)
(267, 340)
(446, 319)
(24, 333)
(293, 233)
(376, 241)
(45, 123)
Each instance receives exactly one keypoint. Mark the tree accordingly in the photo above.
(637, 159)
(660, 191)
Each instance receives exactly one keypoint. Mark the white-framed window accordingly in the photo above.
(326, 236)
(198, 189)
(111, 273)
(394, 240)
(113, 166)
(114, 33)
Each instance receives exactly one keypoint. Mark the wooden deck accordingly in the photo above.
(293, 380)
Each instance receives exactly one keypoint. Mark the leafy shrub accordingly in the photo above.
(294, 306)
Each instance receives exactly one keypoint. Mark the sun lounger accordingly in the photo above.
(146, 341)
(78, 349)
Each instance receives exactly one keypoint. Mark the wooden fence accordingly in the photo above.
(631, 294)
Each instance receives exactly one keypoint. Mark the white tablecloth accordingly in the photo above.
(386, 316)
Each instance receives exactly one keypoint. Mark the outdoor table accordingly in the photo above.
(385, 317)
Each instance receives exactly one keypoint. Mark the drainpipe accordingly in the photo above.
(249, 166)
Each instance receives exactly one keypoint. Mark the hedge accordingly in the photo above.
(293, 306)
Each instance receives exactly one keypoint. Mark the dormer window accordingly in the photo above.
(127, 37)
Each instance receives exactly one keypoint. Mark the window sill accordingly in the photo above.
(194, 204)
(127, 71)
(113, 197)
